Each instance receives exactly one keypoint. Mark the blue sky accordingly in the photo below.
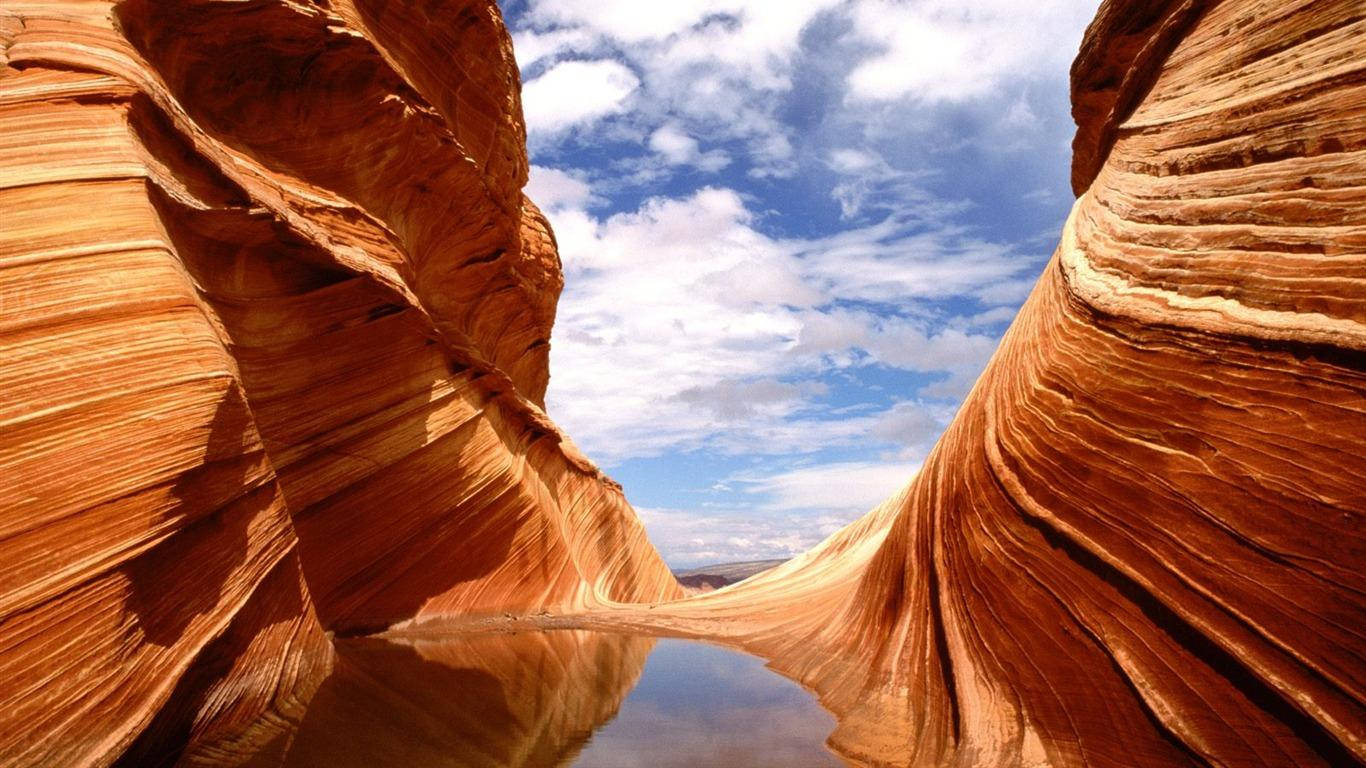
(793, 231)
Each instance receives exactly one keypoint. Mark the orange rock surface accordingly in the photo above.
(274, 341)
(1141, 540)
(274, 323)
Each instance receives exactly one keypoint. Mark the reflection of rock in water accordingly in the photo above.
(496, 700)
(274, 327)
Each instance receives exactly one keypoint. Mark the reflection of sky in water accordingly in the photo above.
(698, 706)
(550, 700)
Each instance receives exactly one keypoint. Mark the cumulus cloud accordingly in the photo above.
(777, 239)
(951, 51)
(556, 190)
(678, 148)
(702, 331)
(576, 92)
(712, 70)
(534, 47)
(728, 71)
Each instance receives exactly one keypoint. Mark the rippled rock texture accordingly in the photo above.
(274, 329)
(1141, 540)
(274, 340)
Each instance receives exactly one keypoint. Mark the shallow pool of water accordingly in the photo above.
(554, 698)
(700, 705)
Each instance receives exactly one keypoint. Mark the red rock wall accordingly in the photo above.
(1140, 542)
(274, 331)
(274, 340)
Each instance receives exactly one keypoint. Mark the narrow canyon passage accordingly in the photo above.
(274, 346)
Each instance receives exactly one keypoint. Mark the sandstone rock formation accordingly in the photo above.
(274, 318)
(1141, 540)
(274, 343)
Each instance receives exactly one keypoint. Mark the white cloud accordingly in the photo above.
(691, 323)
(777, 514)
(533, 47)
(576, 92)
(896, 260)
(1020, 116)
(1011, 292)
(691, 537)
(555, 190)
(739, 398)
(951, 51)
(651, 311)
(678, 148)
(851, 488)
(724, 72)
(630, 21)
(684, 326)
(752, 37)
(992, 317)
(846, 160)
(714, 69)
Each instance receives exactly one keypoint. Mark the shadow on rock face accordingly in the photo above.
(185, 575)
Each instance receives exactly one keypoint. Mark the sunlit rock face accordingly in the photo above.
(1141, 540)
(274, 317)
(274, 341)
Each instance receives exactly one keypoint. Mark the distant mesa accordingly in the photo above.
(274, 328)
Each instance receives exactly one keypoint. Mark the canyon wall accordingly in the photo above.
(1141, 540)
(274, 324)
(275, 334)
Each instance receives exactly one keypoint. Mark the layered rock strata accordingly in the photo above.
(274, 339)
(274, 335)
(1140, 542)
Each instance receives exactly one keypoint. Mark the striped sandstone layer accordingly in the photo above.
(275, 319)
(274, 340)
(1141, 540)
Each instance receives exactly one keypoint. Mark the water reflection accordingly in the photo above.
(698, 705)
(557, 698)
(469, 701)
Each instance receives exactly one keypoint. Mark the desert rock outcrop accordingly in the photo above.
(274, 339)
(1140, 541)
(274, 326)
